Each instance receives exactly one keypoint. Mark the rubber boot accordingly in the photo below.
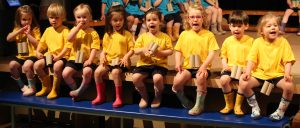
(282, 28)
(238, 105)
(46, 86)
(100, 87)
(255, 108)
(55, 89)
(199, 105)
(119, 91)
(144, 97)
(229, 103)
(31, 88)
(157, 99)
(279, 113)
(185, 102)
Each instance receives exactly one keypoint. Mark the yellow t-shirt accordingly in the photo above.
(162, 40)
(23, 38)
(55, 40)
(85, 41)
(117, 45)
(236, 51)
(270, 58)
(200, 44)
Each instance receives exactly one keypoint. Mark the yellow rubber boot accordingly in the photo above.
(229, 103)
(55, 89)
(46, 86)
(238, 105)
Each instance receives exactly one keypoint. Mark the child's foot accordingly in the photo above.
(238, 111)
(29, 92)
(24, 89)
(298, 33)
(117, 103)
(276, 116)
(52, 95)
(73, 93)
(156, 102)
(195, 111)
(255, 113)
(143, 103)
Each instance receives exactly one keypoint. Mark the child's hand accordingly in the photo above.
(55, 58)
(146, 52)
(39, 55)
(102, 17)
(225, 67)
(87, 63)
(203, 71)
(80, 25)
(124, 61)
(287, 77)
(27, 29)
(157, 54)
(178, 68)
(103, 60)
(246, 76)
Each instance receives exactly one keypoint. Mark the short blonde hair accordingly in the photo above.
(56, 9)
(263, 21)
(186, 24)
(84, 7)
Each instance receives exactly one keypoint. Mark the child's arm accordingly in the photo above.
(61, 54)
(247, 74)
(31, 39)
(182, 8)
(12, 36)
(125, 2)
(225, 64)
(157, 3)
(208, 60)
(178, 57)
(287, 71)
(140, 51)
(91, 58)
(74, 31)
(163, 53)
(39, 55)
(103, 60)
(125, 59)
(103, 11)
(289, 2)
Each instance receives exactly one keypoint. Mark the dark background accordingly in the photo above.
(7, 15)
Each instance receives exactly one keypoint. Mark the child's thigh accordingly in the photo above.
(138, 77)
(185, 75)
(40, 64)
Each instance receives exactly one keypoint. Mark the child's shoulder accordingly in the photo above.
(205, 32)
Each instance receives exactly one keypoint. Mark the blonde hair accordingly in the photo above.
(25, 9)
(263, 21)
(56, 9)
(186, 24)
(85, 8)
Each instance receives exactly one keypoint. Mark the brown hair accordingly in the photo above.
(238, 17)
(108, 27)
(25, 9)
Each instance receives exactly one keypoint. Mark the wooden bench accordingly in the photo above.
(132, 111)
(261, 13)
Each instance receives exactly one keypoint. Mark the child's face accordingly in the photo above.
(117, 21)
(238, 30)
(270, 30)
(195, 19)
(55, 21)
(152, 22)
(26, 19)
(82, 16)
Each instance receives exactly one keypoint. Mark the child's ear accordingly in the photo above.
(246, 26)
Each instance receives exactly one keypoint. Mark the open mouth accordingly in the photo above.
(152, 26)
(273, 32)
(196, 24)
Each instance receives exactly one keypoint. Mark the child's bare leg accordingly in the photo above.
(201, 93)
(228, 94)
(219, 20)
(158, 82)
(288, 88)
(14, 68)
(28, 70)
(116, 74)
(39, 68)
(245, 87)
(68, 74)
(100, 85)
(170, 29)
(178, 84)
(176, 30)
(86, 79)
(285, 19)
(57, 68)
(137, 80)
(214, 17)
